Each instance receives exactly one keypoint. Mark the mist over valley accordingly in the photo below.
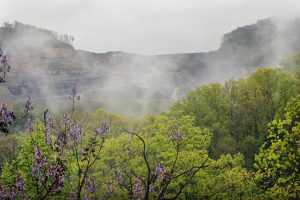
(46, 66)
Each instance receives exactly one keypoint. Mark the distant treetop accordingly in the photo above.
(17, 30)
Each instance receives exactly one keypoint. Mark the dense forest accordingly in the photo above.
(236, 140)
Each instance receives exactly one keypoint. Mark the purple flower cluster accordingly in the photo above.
(50, 122)
(137, 190)
(12, 193)
(65, 119)
(8, 193)
(28, 105)
(91, 185)
(159, 169)
(2, 192)
(48, 138)
(75, 133)
(38, 157)
(104, 129)
(4, 66)
(86, 197)
(175, 134)
(20, 183)
(152, 188)
(72, 195)
(38, 162)
(61, 141)
(6, 115)
(74, 94)
(29, 126)
(55, 173)
(6, 119)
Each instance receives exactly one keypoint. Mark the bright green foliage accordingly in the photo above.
(238, 111)
(225, 179)
(278, 162)
(91, 120)
(124, 152)
(222, 178)
(24, 162)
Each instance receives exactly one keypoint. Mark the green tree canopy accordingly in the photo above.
(278, 162)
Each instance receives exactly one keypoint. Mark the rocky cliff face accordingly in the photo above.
(46, 66)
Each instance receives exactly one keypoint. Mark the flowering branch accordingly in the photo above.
(4, 66)
(74, 96)
(160, 173)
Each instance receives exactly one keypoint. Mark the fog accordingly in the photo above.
(46, 67)
(147, 26)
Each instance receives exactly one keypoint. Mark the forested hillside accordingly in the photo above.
(238, 112)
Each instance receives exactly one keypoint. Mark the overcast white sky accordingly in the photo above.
(145, 26)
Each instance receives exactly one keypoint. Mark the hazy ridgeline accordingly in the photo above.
(46, 66)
